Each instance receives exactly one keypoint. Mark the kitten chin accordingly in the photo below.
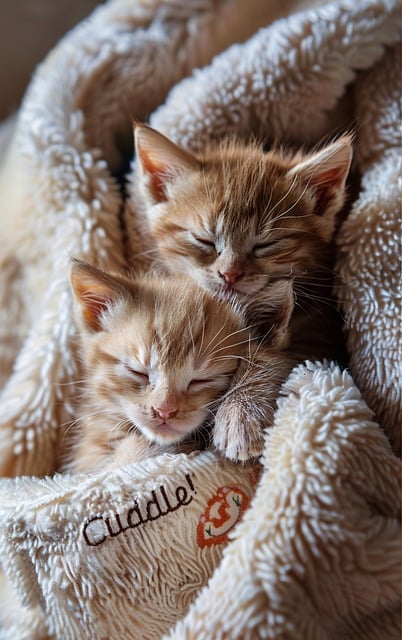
(107, 455)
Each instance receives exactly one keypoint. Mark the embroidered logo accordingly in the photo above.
(223, 512)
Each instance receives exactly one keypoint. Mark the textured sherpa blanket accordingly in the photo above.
(305, 545)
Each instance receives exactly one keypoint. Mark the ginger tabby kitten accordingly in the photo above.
(235, 219)
(160, 353)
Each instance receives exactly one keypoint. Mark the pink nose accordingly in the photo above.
(231, 276)
(165, 413)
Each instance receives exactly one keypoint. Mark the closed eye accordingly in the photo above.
(204, 243)
(199, 383)
(138, 376)
(262, 249)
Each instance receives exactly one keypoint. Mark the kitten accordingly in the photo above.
(236, 219)
(159, 352)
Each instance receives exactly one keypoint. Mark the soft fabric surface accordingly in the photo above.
(155, 549)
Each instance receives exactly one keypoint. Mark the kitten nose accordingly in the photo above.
(164, 413)
(231, 276)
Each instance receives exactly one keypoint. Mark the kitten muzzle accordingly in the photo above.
(164, 413)
(231, 276)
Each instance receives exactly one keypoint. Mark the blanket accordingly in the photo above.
(306, 543)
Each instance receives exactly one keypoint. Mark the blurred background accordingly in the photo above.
(28, 30)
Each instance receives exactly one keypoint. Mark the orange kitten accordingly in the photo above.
(159, 353)
(235, 219)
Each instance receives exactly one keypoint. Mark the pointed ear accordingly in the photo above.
(271, 309)
(326, 172)
(95, 291)
(161, 161)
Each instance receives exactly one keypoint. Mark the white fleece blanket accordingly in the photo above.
(305, 545)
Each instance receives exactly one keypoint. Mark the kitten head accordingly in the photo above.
(159, 352)
(235, 218)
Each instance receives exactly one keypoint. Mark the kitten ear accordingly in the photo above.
(271, 309)
(94, 290)
(326, 172)
(161, 161)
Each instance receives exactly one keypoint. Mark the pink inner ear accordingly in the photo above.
(158, 182)
(157, 174)
(330, 178)
(325, 184)
(92, 312)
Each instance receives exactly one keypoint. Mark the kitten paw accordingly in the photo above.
(236, 434)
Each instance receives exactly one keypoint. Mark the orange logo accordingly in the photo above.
(223, 512)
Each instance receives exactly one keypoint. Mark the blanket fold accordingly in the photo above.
(370, 294)
(324, 563)
(117, 556)
(305, 545)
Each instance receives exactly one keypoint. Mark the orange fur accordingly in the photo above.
(159, 353)
(235, 219)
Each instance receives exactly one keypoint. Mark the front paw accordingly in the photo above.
(236, 433)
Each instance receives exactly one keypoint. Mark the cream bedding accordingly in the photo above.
(157, 550)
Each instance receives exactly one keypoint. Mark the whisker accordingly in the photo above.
(294, 230)
(119, 428)
(230, 335)
(215, 336)
(324, 281)
(213, 353)
(70, 383)
(294, 204)
(309, 296)
(279, 202)
(191, 334)
(70, 424)
(201, 344)
(316, 306)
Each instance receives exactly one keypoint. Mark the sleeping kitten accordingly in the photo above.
(159, 353)
(235, 219)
